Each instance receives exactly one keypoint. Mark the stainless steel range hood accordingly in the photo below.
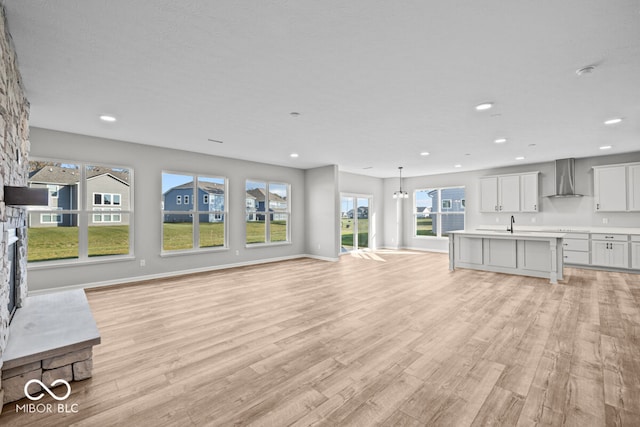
(565, 184)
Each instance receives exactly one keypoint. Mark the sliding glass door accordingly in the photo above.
(354, 222)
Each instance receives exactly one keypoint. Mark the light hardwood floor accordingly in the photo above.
(391, 338)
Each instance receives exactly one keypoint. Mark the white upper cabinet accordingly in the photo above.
(509, 193)
(489, 194)
(529, 192)
(617, 187)
(634, 187)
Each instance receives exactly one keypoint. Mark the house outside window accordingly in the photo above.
(189, 224)
(93, 215)
(268, 213)
(438, 210)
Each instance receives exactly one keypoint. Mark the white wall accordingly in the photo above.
(368, 186)
(148, 163)
(322, 207)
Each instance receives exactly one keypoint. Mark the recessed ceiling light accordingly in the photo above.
(368, 167)
(500, 140)
(520, 158)
(532, 145)
(606, 147)
(467, 154)
(294, 114)
(293, 155)
(457, 166)
(484, 106)
(107, 118)
(215, 140)
(425, 153)
(613, 121)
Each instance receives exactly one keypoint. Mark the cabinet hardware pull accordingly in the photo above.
(535, 207)
(597, 206)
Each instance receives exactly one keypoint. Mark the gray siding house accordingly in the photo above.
(453, 201)
(210, 198)
(108, 193)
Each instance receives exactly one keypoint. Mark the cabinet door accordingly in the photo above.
(489, 194)
(635, 255)
(600, 253)
(529, 192)
(509, 193)
(634, 187)
(610, 188)
(618, 255)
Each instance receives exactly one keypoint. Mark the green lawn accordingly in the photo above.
(424, 227)
(49, 243)
(346, 232)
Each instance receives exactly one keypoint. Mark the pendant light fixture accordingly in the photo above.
(400, 194)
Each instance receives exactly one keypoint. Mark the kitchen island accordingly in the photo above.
(523, 253)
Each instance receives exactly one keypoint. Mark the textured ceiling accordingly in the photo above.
(375, 82)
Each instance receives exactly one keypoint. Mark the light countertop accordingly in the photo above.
(517, 234)
(564, 229)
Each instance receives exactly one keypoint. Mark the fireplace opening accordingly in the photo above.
(13, 265)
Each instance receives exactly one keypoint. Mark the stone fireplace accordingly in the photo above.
(14, 138)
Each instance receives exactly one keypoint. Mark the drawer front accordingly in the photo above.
(571, 257)
(610, 237)
(635, 238)
(584, 236)
(575, 245)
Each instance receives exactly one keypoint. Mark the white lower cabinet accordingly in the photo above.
(635, 252)
(576, 248)
(610, 254)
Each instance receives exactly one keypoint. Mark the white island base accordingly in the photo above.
(522, 253)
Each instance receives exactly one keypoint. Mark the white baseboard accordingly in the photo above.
(176, 273)
(440, 251)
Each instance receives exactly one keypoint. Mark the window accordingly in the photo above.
(50, 218)
(438, 211)
(53, 191)
(93, 211)
(187, 227)
(267, 212)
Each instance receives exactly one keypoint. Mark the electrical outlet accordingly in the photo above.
(497, 219)
(237, 252)
(605, 220)
(533, 219)
(318, 246)
(143, 263)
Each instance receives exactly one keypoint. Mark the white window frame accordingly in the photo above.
(102, 198)
(51, 215)
(83, 212)
(439, 213)
(194, 213)
(267, 214)
(179, 199)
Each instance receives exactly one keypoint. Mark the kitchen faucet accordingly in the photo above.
(510, 229)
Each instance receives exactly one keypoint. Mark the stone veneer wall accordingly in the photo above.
(14, 170)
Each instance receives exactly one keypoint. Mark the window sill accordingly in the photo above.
(266, 245)
(168, 254)
(43, 265)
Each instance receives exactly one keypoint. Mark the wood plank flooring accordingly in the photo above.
(387, 338)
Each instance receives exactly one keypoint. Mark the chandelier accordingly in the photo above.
(400, 194)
